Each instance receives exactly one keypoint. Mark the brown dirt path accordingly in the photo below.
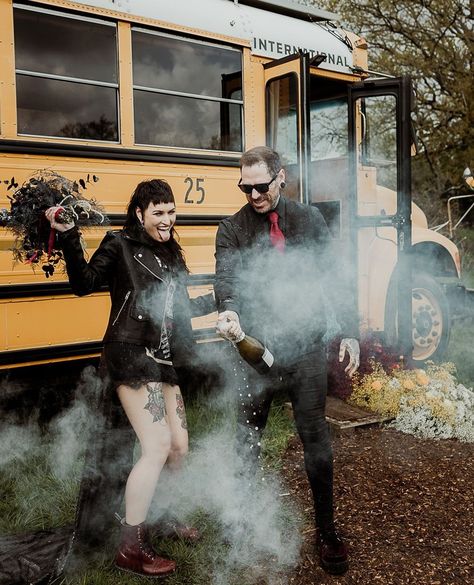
(405, 506)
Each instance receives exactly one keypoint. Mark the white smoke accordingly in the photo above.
(261, 531)
(17, 442)
(17, 439)
(70, 431)
(60, 446)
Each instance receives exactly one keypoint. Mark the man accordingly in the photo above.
(275, 281)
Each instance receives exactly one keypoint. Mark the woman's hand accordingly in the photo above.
(52, 215)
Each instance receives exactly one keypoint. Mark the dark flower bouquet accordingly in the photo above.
(35, 241)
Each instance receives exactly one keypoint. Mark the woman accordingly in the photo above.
(144, 266)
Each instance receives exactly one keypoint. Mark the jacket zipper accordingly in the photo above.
(150, 271)
(121, 308)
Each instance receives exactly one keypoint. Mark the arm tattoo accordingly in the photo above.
(180, 410)
(156, 401)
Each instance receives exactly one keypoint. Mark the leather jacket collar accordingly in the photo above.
(153, 262)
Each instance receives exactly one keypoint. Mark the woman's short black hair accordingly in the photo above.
(153, 191)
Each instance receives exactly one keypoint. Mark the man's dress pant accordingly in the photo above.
(306, 383)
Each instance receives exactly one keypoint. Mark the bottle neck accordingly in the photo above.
(240, 338)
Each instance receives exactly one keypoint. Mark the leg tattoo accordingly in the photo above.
(180, 410)
(156, 401)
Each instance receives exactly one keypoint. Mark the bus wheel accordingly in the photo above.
(430, 318)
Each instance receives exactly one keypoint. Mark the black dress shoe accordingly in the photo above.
(332, 552)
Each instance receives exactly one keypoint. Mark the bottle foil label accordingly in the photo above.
(268, 358)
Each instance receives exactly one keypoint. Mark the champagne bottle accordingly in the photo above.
(254, 353)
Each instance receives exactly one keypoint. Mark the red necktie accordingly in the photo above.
(276, 235)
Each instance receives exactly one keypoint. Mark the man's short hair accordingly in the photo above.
(262, 154)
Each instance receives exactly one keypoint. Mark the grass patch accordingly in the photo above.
(34, 498)
(205, 414)
(280, 428)
(461, 352)
(464, 240)
(194, 563)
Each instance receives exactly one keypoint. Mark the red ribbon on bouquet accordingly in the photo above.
(52, 233)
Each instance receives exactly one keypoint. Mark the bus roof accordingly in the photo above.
(292, 9)
(274, 28)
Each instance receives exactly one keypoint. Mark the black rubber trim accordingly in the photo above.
(277, 62)
(46, 289)
(118, 219)
(198, 279)
(21, 356)
(57, 352)
(309, 13)
(37, 289)
(114, 153)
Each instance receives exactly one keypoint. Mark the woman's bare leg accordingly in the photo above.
(179, 447)
(177, 424)
(147, 412)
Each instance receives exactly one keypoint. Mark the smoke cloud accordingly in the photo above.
(261, 530)
(70, 431)
(293, 300)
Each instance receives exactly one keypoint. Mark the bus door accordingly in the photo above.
(380, 202)
(287, 119)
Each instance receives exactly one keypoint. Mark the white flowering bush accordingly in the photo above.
(428, 404)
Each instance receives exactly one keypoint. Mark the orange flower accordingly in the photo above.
(376, 385)
(421, 378)
(409, 385)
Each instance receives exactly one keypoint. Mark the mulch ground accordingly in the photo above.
(404, 505)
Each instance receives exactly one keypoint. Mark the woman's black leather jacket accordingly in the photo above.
(140, 289)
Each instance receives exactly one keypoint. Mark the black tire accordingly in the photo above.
(430, 317)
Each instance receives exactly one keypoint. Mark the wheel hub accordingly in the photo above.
(427, 323)
(423, 323)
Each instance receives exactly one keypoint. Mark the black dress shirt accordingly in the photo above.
(284, 299)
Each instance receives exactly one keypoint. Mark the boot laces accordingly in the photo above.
(145, 546)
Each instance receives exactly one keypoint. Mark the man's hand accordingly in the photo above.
(228, 325)
(352, 347)
(51, 215)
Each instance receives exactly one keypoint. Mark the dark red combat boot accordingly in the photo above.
(136, 555)
(173, 529)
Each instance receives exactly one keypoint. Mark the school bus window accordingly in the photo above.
(66, 75)
(329, 123)
(187, 93)
(329, 170)
(379, 141)
(282, 118)
(282, 127)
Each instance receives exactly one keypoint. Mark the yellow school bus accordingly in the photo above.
(127, 90)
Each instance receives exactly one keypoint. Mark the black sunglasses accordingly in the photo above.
(260, 187)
